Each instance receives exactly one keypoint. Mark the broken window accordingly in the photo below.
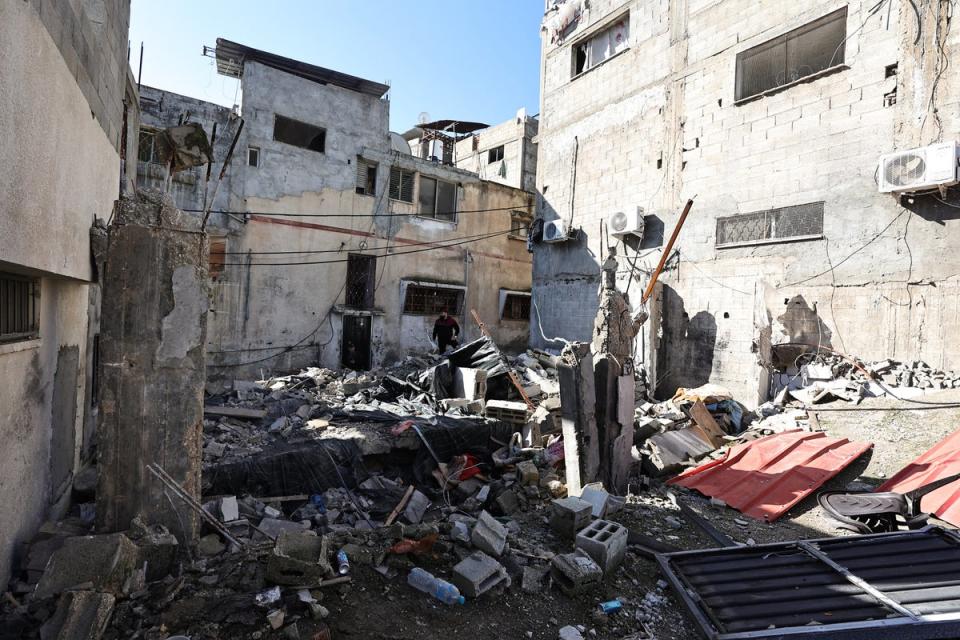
(495, 154)
(147, 150)
(361, 274)
(253, 156)
(218, 255)
(516, 306)
(519, 225)
(602, 46)
(429, 300)
(438, 199)
(299, 134)
(798, 222)
(366, 177)
(401, 184)
(19, 307)
(796, 54)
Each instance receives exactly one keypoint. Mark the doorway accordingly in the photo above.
(355, 349)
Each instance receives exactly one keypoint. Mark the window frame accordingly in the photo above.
(505, 296)
(838, 15)
(601, 28)
(146, 130)
(368, 188)
(29, 316)
(436, 199)
(525, 220)
(493, 151)
(255, 151)
(399, 194)
(277, 117)
(454, 310)
(770, 239)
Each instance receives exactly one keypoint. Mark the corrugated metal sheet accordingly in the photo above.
(939, 462)
(764, 478)
(908, 587)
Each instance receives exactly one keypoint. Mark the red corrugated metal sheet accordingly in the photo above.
(764, 478)
(939, 462)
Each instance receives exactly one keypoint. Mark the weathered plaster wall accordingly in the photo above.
(59, 63)
(519, 153)
(653, 135)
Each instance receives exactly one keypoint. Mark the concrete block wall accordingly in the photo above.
(658, 124)
(519, 152)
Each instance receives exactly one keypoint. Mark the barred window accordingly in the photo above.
(401, 184)
(147, 150)
(792, 56)
(427, 300)
(516, 306)
(19, 307)
(798, 222)
(366, 177)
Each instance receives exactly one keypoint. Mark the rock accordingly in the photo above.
(570, 633)
(275, 618)
(210, 545)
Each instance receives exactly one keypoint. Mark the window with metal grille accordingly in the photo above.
(366, 177)
(519, 225)
(599, 48)
(361, 273)
(299, 134)
(427, 300)
(218, 255)
(401, 184)
(19, 307)
(793, 56)
(798, 222)
(495, 154)
(516, 306)
(147, 150)
(438, 199)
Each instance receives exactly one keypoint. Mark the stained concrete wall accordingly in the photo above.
(60, 62)
(638, 133)
(519, 164)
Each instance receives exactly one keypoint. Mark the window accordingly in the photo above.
(519, 225)
(360, 286)
(799, 222)
(19, 307)
(495, 154)
(516, 306)
(218, 255)
(601, 47)
(438, 199)
(147, 150)
(795, 55)
(401, 184)
(366, 177)
(299, 134)
(429, 300)
(253, 156)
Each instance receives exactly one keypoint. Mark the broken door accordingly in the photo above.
(355, 350)
(361, 273)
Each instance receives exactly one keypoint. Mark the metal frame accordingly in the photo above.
(945, 625)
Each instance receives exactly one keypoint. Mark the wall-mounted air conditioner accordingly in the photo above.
(555, 231)
(626, 223)
(917, 169)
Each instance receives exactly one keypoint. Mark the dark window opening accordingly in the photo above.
(426, 300)
(516, 306)
(803, 221)
(401, 184)
(366, 177)
(796, 54)
(438, 199)
(19, 307)
(361, 281)
(890, 70)
(253, 156)
(218, 255)
(299, 134)
(495, 154)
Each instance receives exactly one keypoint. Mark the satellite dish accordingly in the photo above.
(423, 118)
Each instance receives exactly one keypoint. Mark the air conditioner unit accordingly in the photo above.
(917, 169)
(555, 231)
(625, 224)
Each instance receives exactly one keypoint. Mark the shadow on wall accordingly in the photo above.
(685, 354)
(799, 325)
(934, 209)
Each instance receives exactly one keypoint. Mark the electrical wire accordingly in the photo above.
(874, 9)
(391, 214)
(694, 265)
(955, 206)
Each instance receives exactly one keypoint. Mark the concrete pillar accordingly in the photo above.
(152, 341)
(578, 406)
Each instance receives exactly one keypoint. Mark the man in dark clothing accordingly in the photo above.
(445, 331)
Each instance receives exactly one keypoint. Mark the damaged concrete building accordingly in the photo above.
(64, 131)
(330, 242)
(774, 117)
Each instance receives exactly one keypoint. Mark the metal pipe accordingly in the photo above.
(666, 251)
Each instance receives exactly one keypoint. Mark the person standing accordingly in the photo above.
(445, 331)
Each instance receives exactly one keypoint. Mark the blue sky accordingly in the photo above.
(450, 58)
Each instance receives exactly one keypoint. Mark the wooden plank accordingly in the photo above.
(400, 506)
(701, 416)
(235, 412)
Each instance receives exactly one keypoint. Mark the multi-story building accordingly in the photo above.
(332, 242)
(773, 116)
(64, 91)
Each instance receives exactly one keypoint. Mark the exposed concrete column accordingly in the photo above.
(153, 332)
(578, 405)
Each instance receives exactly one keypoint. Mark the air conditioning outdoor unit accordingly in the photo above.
(625, 224)
(555, 231)
(918, 169)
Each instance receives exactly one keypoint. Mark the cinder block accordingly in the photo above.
(104, 561)
(80, 615)
(489, 535)
(478, 573)
(605, 542)
(298, 559)
(575, 572)
(569, 515)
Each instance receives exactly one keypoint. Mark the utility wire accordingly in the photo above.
(437, 215)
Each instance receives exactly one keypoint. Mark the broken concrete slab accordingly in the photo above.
(507, 502)
(533, 578)
(416, 508)
(598, 499)
(478, 573)
(605, 542)
(298, 558)
(489, 535)
(569, 515)
(575, 572)
(235, 412)
(103, 562)
(274, 527)
(80, 615)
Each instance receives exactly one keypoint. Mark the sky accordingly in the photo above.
(475, 61)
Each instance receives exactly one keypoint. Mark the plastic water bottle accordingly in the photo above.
(439, 589)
